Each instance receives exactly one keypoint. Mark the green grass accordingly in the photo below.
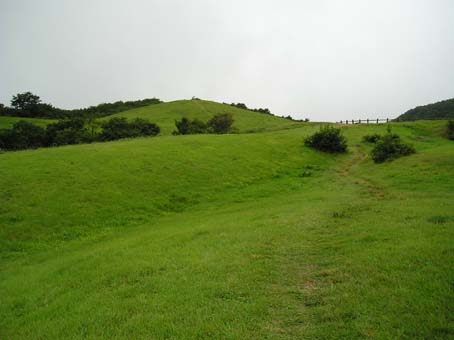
(233, 236)
(165, 115)
(8, 122)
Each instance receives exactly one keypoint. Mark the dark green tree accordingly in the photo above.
(25, 101)
(221, 123)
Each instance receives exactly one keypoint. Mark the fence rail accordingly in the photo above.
(365, 121)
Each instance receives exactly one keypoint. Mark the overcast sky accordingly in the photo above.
(326, 60)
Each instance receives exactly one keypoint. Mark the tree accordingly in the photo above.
(25, 101)
(221, 123)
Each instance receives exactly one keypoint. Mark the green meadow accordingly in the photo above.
(239, 236)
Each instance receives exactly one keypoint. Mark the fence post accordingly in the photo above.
(359, 121)
(387, 119)
(367, 120)
(377, 120)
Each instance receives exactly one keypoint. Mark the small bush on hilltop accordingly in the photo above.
(327, 139)
(390, 147)
(450, 129)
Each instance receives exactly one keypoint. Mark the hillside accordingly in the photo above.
(228, 236)
(165, 115)
(440, 110)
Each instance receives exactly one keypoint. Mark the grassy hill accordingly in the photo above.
(228, 236)
(165, 115)
(440, 110)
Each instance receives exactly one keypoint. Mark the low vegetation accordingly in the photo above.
(119, 127)
(450, 130)
(327, 139)
(389, 147)
(373, 138)
(25, 135)
(219, 124)
(187, 126)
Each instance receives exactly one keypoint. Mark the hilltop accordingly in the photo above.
(440, 110)
(165, 114)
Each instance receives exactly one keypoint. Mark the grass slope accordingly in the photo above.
(234, 236)
(165, 115)
(8, 122)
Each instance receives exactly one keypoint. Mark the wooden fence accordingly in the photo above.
(365, 121)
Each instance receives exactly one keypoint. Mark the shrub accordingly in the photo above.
(144, 127)
(68, 131)
(119, 127)
(328, 139)
(221, 123)
(189, 127)
(450, 129)
(390, 147)
(374, 138)
(23, 135)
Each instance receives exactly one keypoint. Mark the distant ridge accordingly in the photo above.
(440, 110)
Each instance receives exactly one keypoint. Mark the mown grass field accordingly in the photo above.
(165, 115)
(244, 236)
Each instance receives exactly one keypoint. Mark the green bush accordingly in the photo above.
(327, 139)
(373, 138)
(189, 127)
(390, 147)
(221, 123)
(119, 127)
(450, 129)
(23, 135)
(68, 131)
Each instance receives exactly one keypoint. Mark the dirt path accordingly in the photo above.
(347, 170)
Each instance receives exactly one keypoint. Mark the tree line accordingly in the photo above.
(80, 130)
(30, 105)
(25, 135)
(440, 110)
(265, 111)
(219, 124)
